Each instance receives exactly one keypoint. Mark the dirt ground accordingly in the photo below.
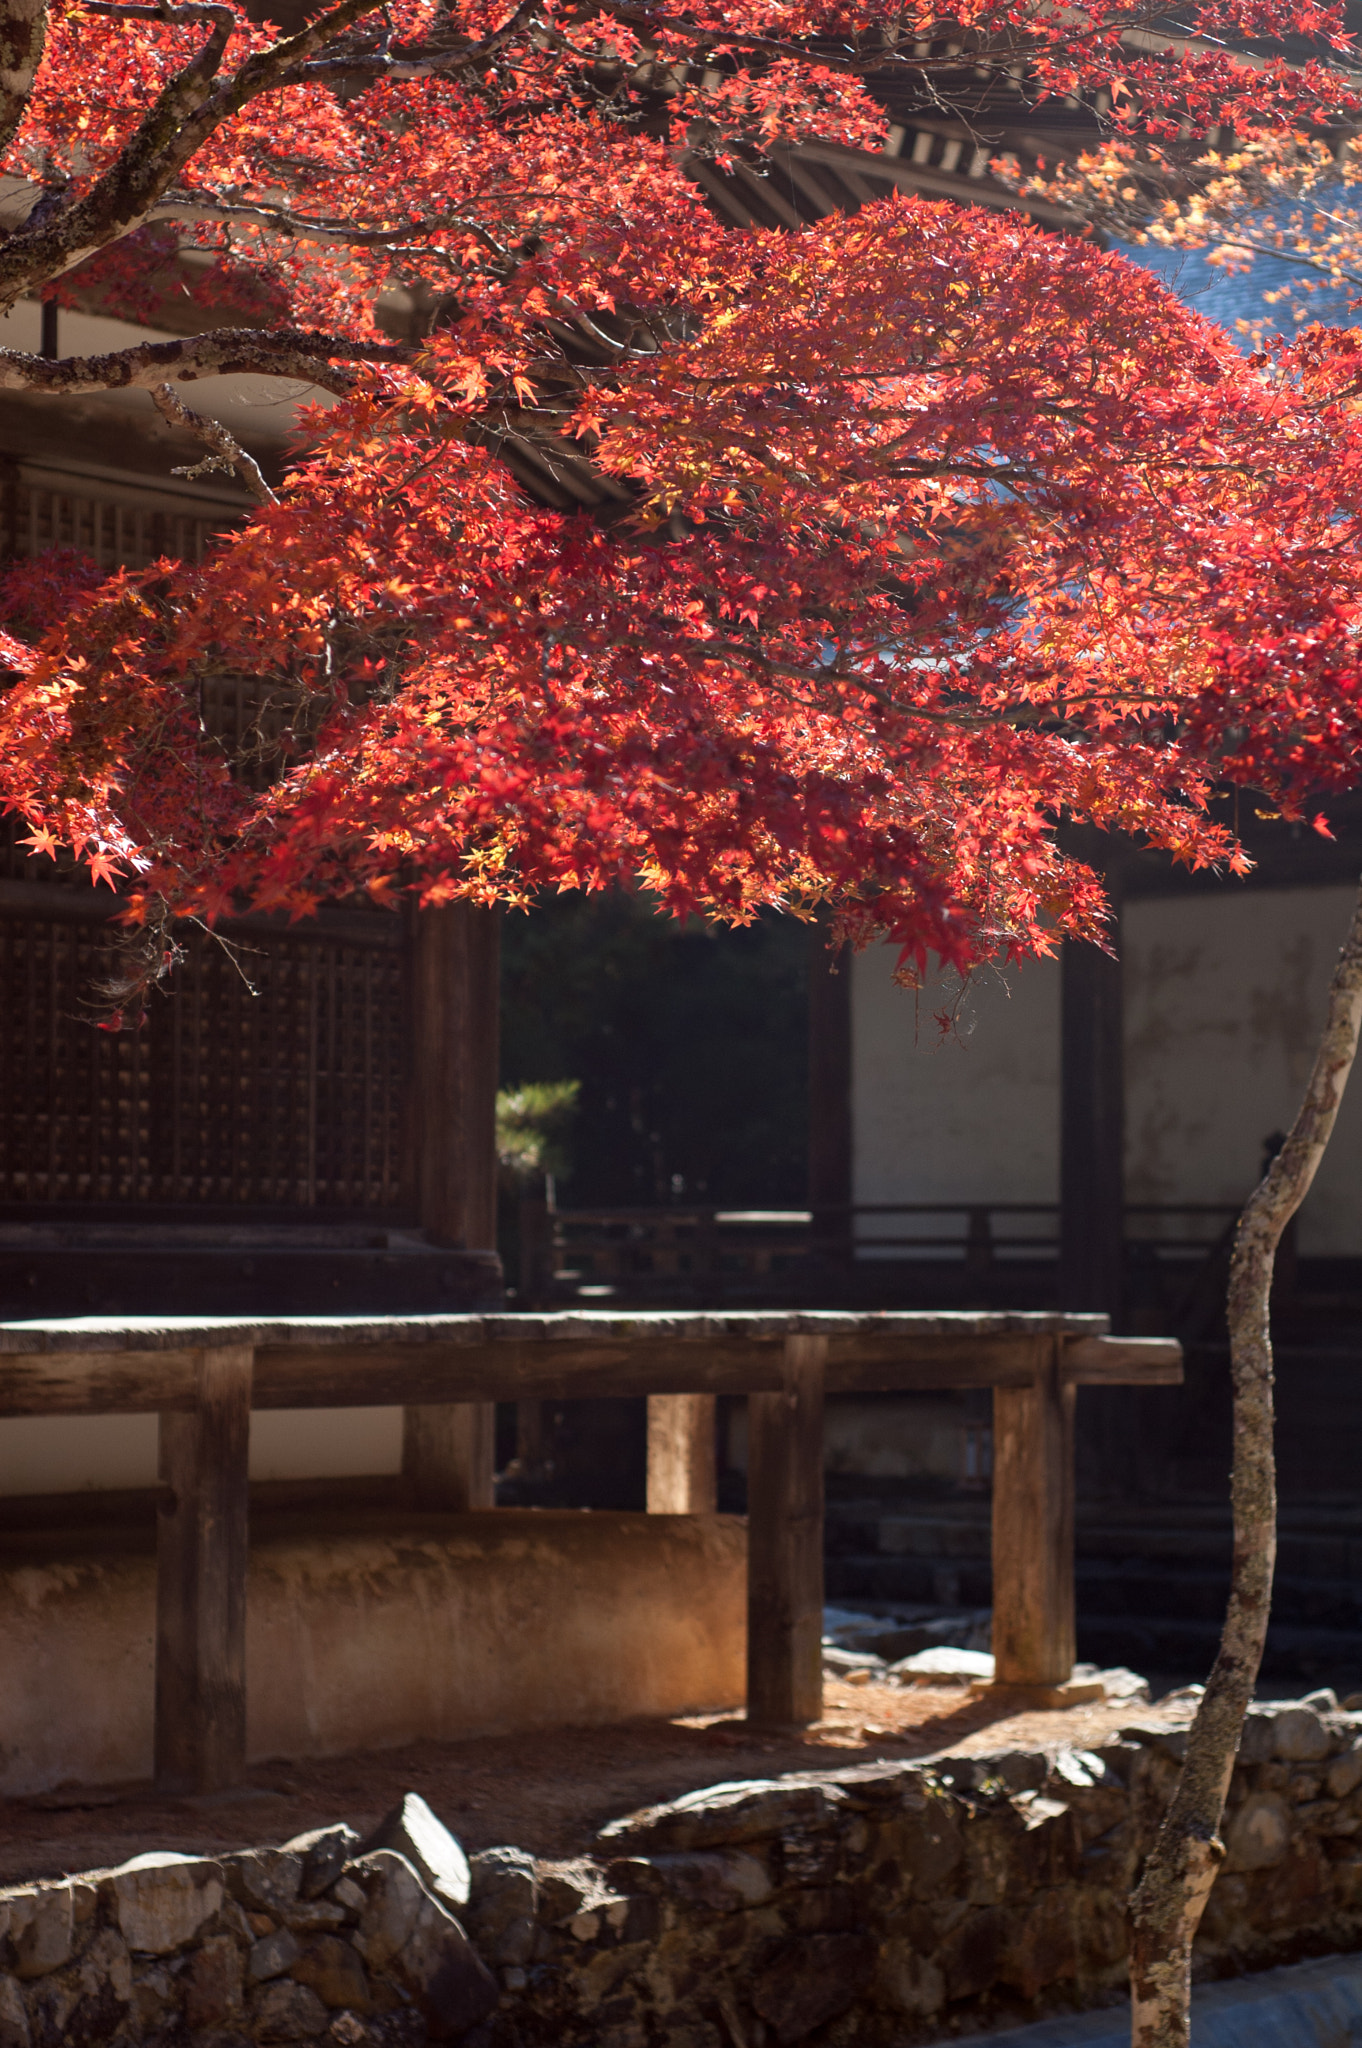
(548, 1792)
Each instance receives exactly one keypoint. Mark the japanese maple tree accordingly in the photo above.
(924, 530)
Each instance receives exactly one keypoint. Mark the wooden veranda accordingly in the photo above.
(203, 1377)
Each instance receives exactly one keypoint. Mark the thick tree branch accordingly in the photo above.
(227, 453)
(23, 32)
(177, 125)
(223, 352)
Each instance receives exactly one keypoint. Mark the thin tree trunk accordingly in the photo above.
(1188, 1851)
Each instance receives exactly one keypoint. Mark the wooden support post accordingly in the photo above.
(830, 1140)
(681, 1462)
(201, 1558)
(448, 1453)
(1092, 1130)
(1033, 1528)
(1092, 1185)
(785, 1542)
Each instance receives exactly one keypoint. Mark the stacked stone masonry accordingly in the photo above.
(886, 1903)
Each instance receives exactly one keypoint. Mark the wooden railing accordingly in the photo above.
(706, 1255)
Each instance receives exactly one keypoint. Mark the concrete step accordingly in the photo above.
(1306, 2005)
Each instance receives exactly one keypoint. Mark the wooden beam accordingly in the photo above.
(1033, 1527)
(785, 1541)
(457, 1359)
(448, 1455)
(201, 1559)
(682, 1478)
(455, 1021)
(1122, 1362)
(292, 1377)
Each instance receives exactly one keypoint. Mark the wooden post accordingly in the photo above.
(830, 1138)
(448, 1453)
(681, 1461)
(201, 1558)
(1033, 1528)
(1092, 1184)
(785, 1542)
(1092, 1130)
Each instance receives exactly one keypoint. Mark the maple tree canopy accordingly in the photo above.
(928, 529)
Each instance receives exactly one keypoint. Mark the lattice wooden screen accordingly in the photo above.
(119, 529)
(290, 1097)
(276, 1083)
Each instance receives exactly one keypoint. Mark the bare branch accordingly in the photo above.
(196, 10)
(227, 453)
(306, 228)
(223, 352)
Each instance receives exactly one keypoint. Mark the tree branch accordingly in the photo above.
(1188, 1851)
(227, 453)
(222, 352)
(177, 125)
(23, 32)
(281, 220)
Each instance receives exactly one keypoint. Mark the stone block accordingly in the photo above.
(41, 1927)
(710, 1880)
(503, 1903)
(213, 1993)
(273, 1955)
(413, 1831)
(265, 1880)
(332, 1968)
(325, 1853)
(406, 1931)
(14, 2027)
(162, 1900)
(723, 1815)
(1344, 1774)
(1259, 1833)
(809, 1982)
(285, 2011)
(1299, 1736)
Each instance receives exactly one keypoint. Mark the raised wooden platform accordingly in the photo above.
(203, 1376)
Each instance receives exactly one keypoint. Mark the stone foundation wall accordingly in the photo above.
(879, 1905)
(370, 1637)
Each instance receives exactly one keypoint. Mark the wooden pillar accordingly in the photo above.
(830, 1162)
(1033, 1528)
(785, 1542)
(1092, 1130)
(449, 1455)
(201, 1558)
(448, 1452)
(1092, 1191)
(681, 1462)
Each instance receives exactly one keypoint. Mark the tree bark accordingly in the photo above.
(1188, 1851)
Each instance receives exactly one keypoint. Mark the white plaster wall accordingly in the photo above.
(80, 1453)
(963, 1112)
(487, 1624)
(1224, 1001)
(1224, 997)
